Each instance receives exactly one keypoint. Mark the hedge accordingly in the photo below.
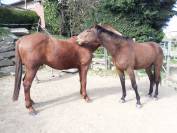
(14, 17)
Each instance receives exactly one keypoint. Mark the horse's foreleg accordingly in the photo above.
(134, 85)
(27, 81)
(151, 79)
(83, 81)
(122, 80)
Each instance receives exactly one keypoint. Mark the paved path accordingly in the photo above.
(61, 110)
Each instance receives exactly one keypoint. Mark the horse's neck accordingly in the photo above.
(91, 46)
(110, 44)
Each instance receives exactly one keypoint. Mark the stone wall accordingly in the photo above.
(7, 54)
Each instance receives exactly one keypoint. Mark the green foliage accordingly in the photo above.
(17, 16)
(4, 31)
(142, 20)
(52, 17)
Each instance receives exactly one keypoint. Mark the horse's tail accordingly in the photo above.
(18, 72)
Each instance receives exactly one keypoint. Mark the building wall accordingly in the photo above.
(39, 9)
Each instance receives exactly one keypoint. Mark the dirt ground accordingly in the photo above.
(61, 109)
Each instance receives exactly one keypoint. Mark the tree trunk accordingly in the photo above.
(65, 18)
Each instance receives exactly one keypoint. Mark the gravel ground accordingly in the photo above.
(61, 109)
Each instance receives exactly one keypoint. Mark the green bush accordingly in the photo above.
(17, 16)
(52, 17)
(4, 31)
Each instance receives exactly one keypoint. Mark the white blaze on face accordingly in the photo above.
(81, 37)
(78, 40)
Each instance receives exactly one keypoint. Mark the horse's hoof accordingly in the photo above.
(33, 112)
(122, 101)
(150, 95)
(156, 98)
(87, 99)
(139, 106)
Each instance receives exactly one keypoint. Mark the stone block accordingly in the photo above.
(6, 62)
(7, 70)
(7, 48)
(8, 54)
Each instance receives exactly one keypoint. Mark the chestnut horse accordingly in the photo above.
(128, 56)
(37, 49)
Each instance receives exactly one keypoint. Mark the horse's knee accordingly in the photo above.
(26, 85)
(157, 80)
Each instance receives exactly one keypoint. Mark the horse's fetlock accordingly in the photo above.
(28, 104)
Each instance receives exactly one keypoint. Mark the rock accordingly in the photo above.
(1, 58)
(10, 37)
(8, 54)
(7, 48)
(19, 31)
(7, 70)
(13, 59)
(6, 62)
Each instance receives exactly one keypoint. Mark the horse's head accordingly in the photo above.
(91, 35)
(88, 36)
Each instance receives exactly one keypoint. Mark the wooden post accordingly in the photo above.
(106, 58)
(168, 57)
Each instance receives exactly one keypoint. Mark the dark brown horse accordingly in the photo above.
(127, 56)
(37, 49)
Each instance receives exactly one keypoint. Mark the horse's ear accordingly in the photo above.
(95, 25)
(100, 24)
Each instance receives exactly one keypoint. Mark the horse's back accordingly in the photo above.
(149, 48)
(32, 47)
(33, 40)
(147, 53)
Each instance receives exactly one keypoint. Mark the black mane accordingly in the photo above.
(110, 33)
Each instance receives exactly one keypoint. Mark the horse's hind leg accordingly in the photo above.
(157, 79)
(134, 85)
(27, 81)
(151, 79)
(122, 80)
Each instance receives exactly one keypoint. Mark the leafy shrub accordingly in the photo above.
(17, 16)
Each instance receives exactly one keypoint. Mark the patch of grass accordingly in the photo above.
(4, 31)
(103, 72)
(173, 61)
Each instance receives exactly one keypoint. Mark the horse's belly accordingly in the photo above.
(61, 64)
(142, 64)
